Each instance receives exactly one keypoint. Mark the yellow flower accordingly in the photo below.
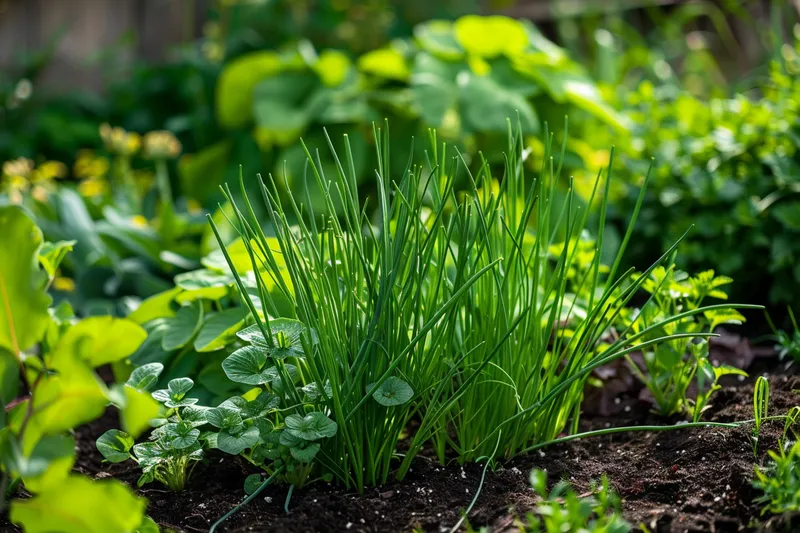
(63, 284)
(91, 187)
(139, 221)
(89, 165)
(120, 142)
(20, 167)
(50, 170)
(161, 145)
(39, 193)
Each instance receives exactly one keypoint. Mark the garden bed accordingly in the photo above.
(694, 480)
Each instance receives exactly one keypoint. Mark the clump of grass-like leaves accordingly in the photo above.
(428, 303)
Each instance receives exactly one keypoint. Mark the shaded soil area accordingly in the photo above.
(692, 480)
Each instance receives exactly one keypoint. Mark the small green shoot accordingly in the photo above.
(760, 408)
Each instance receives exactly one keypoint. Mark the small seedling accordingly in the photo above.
(760, 408)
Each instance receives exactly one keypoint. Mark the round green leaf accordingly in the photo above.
(184, 435)
(143, 377)
(234, 95)
(252, 483)
(436, 37)
(115, 445)
(313, 426)
(178, 387)
(393, 391)
(218, 329)
(235, 444)
(305, 454)
(248, 365)
(224, 418)
(490, 36)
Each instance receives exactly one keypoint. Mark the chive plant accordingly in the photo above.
(444, 307)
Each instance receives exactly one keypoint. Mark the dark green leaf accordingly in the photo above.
(115, 445)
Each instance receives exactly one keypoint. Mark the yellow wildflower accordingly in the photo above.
(90, 165)
(91, 187)
(16, 168)
(120, 142)
(161, 144)
(139, 221)
(63, 284)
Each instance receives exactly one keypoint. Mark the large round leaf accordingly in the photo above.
(248, 365)
(235, 444)
(115, 445)
(393, 391)
(182, 327)
(143, 377)
(489, 37)
(218, 329)
(313, 426)
(235, 86)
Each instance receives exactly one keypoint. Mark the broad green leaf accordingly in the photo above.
(248, 365)
(45, 466)
(313, 393)
(202, 284)
(252, 483)
(175, 394)
(305, 454)
(195, 415)
(9, 377)
(145, 376)
(385, 63)
(179, 387)
(139, 409)
(115, 445)
(100, 340)
(313, 426)
(332, 67)
(182, 328)
(218, 329)
(183, 435)
(393, 391)
(234, 95)
(433, 85)
(224, 418)
(64, 401)
(286, 337)
(79, 505)
(158, 306)
(286, 104)
(52, 254)
(236, 444)
(23, 296)
(487, 106)
(437, 37)
(490, 37)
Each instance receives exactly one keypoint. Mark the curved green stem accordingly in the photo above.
(246, 500)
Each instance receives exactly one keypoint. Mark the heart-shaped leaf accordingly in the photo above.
(145, 376)
(195, 415)
(235, 444)
(178, 387)
(115, 445)
(305, 454)
(313, 426)
(248, 365)
(182, 327)
(183, 435)
(286, 336)
(252, 483)
(224, 418)
(393, 391)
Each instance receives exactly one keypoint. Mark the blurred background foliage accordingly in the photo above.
(707, 88)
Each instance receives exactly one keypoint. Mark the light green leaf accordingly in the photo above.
(147, 526)
(139, 409)
(145, 376)
(100, 340)
(234, 95)
(9, 378)
(182, 327)
(52, 254)
(286, 104)
(202, 284)
(385, 63)
(313, 426)
(115, 445)
(248, 365)
(437, 37)
(114, 508)
(235, 444)
(23, 297)
(332, 67)
(393, 391)
(490, 37)
(45, 466)
(434, 88)
(305, 454)
(195, 415)
(218, 329)
(158, 306)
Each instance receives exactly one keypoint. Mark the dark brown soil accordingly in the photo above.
(694, 480)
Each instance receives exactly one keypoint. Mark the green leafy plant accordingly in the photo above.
(562, 509)
(671, 367)
(410, 313)
(175, 442)
(780, 481)
(787, 343)
(55, 357)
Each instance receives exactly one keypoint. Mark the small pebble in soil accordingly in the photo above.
(348, 525)
(268, 499)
